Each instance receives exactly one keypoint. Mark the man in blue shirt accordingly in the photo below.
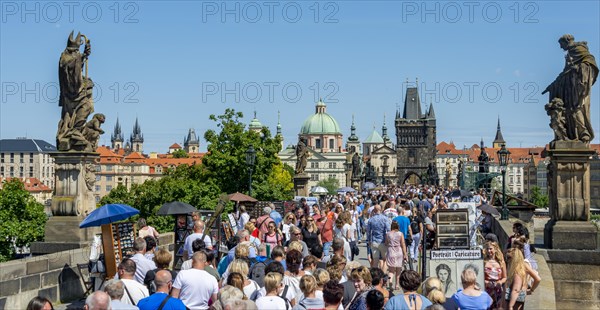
(163, 282)
(378, 227)
(403, 222)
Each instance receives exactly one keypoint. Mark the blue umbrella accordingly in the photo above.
(108, 214)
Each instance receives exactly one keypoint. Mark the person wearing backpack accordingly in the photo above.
(272, 299)
(416, 228)
(286, 293)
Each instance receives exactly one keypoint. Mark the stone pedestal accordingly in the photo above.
(75, 174)
(571, 235)
(301, 184)
(356, 184)
(75, 178)
(569, 194)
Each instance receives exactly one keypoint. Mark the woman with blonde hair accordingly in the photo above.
(289, 220)
(310, 232)
(241, 267)
(432, 289)
(308, 298)
(516, 289)
(322, 277)
(273, 288)
(494, 272)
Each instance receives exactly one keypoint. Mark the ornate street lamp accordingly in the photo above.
(250, 161)
(503, 156)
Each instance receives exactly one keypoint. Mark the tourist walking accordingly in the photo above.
(396, 255)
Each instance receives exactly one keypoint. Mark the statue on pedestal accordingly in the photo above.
(76, 99)
(483, 161)
(573, 86)
(302, 156)
(355, 165)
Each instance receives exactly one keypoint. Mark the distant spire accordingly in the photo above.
(278, 123)
(431, 113)
(499, 140)
(353, 137)
(386, 139)
(481, 143)
(137, 135)
(117, 135)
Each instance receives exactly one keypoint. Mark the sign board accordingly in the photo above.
(455, 254)
(233, 223)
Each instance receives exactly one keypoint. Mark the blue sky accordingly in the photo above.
(171, 64)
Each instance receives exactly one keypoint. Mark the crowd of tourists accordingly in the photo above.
(305, 259)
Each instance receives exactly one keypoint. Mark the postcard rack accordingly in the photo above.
(452, 229)
(117, 242)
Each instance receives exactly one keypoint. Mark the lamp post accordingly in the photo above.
(250, 161)
(503, 155)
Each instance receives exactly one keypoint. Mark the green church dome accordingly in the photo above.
(255, 123)
(320, 122)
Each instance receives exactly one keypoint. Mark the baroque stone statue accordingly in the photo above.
(432, 177)
(556, 111)
(355, 165)
(573, 86)
(301, 156)
(76, 99)
(483, 161)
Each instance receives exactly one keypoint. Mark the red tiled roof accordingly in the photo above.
(174, 146)
(32, 185)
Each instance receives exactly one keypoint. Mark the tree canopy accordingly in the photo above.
(22, 218)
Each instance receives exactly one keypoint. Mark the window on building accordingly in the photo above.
(21, 158)
(331, 143)
(314, 165)
(109, 178)
(2, 171)
(1, 158)
(97, 199)
(31, 172)
(12, 172)
(97, 188)
(12, 158)
(108, 188)
(98, 178)
(31, 158)
(318, 143)
(109, 167)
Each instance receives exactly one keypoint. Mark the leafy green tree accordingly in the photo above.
(331, 184)
(539, 199)
(22, 219)
(225, 161)
(180, 154)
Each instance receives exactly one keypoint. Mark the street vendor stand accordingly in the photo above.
(117, 239)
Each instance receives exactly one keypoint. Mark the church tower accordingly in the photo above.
(353, 140)
(191, 143)
(415, 139)
(117, 138)
(137, 138)
(499, 140)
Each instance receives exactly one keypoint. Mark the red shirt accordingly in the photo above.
(326, 228)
